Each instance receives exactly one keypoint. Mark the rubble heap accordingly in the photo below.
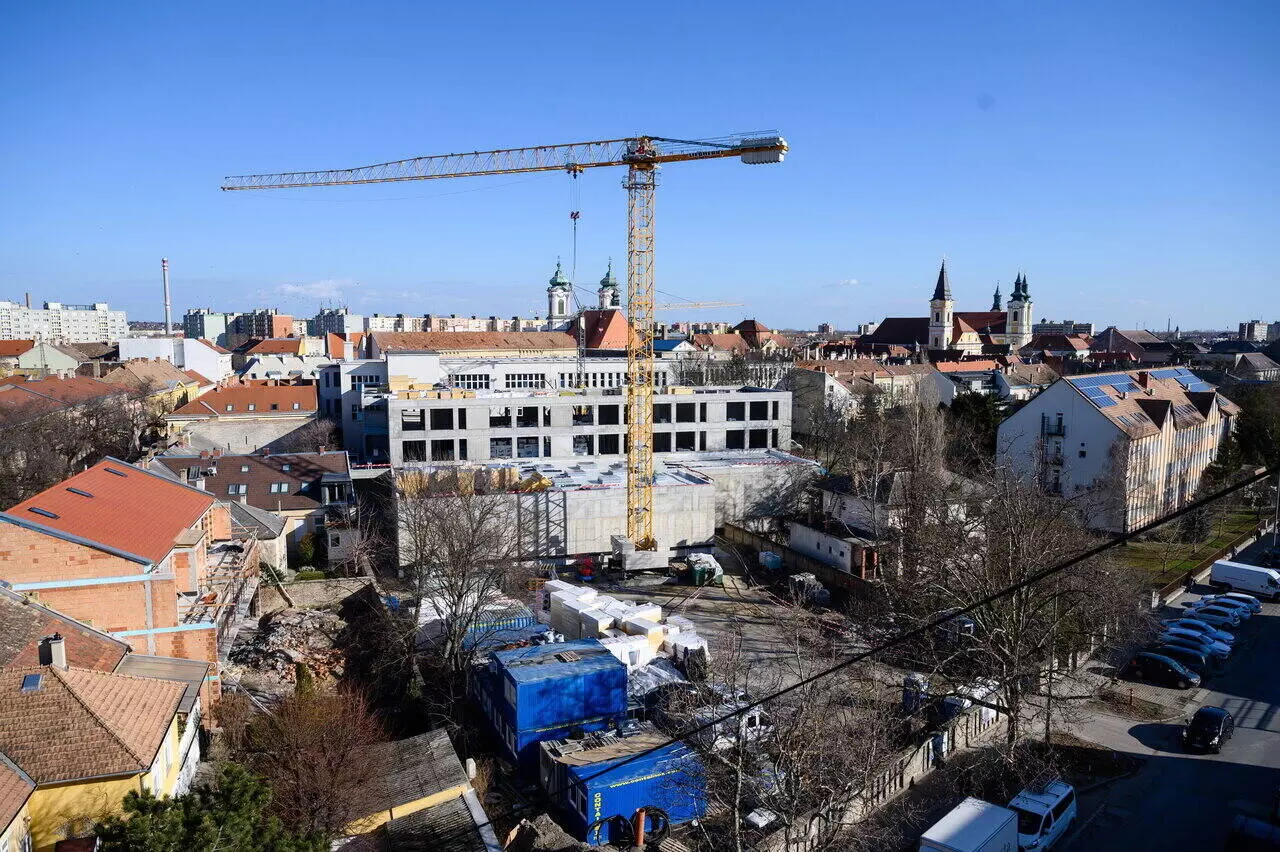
(285, 638)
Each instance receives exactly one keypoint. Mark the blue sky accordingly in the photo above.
(1122, 153)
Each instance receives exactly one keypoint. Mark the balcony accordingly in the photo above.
(1052, 428)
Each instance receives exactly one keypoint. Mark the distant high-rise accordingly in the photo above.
(206, 324)
(59, 323)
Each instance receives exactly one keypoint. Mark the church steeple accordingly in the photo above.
(942, 290)
(559, 289)
(996, 300)
(608, 293)
(1021, 311)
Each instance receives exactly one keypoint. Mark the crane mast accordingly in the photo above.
(642, 156)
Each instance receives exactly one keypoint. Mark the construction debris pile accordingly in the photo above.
(267, 658)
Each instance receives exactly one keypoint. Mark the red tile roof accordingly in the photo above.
(448, 341)
(14, 348)
(261, 395)
(965, 366)
(196, 377)
(84, 724)
(22, 398)
(607, 329)
(277, 346)
(130, 510)
(215, 347)
(23, 623)
(16, 788)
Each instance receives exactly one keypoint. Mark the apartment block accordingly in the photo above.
(206, 324)
(1131, 446)
(59, 323)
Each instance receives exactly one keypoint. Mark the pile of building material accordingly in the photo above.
(270, 654)
(635, 633)
(497, 621)
(807, 590)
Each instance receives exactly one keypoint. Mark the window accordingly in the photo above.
(471, 381)
(662, 442)
(686, 412)
(413, 420)
(1061, 808)
(702, 412)
(735, 412)
(499, 417)
(608, 415)
(527, 381)
(607, 445)
(230, 408)
(774, 416)
(442, 418)
(297, 405)
(686, 441)
(500, 448)
(414, 451)
(244, 468)
(527, 447)
(357, 411)
(253, 406)
(760, 410)
(335, 540)
(286, 467)
(237, 488)
(662, 413)
(279, 488)
(442, 450)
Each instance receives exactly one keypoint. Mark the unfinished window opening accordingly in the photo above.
(442, 450)
(462, 418)
(735, 412)
(527, 417)
(413, 421)
(662, 413)
(441, 418)
(702, 442)
(609, 415)
(702, 412)
(500, 448)
(527, 448)
(414, 451)
(499, 417)
(735, 439)
(662, 442)
(686, 441)
(760, 410)
(608, 445)
(686, 412)
(759, 439)
(584, 445)
(584, 415)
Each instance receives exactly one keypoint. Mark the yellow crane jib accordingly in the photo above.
(642, 156)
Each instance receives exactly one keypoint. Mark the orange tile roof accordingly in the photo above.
(16, 788)
(276, 346)
(22, 398)
(81, 724)
(261, 395)
(607, 329)
(196, 377)
(215, 347)
(965, 366)
(130, 511)
(728, 342)
(139, 373)
(14, 348)
(446, 341)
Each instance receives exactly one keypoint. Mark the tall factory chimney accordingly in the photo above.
(168, 315)
(28, 301)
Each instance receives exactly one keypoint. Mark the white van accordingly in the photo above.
(1236, 576)
(1045, 812)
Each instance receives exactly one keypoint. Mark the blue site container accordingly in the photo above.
(548, 692)
(590, 790)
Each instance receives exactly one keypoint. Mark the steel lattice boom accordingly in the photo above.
(642, 155)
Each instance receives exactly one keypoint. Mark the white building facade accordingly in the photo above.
(59, 323)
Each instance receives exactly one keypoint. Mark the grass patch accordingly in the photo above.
(1165, 562)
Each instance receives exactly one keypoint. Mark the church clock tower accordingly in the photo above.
(559, 298)
(941, 307)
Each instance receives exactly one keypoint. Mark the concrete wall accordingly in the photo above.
(236, 435)
(311, 594)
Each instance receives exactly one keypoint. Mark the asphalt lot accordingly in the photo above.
(1181, 801)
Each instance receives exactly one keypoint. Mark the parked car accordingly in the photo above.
(1157, 668)
(1045, 813)
(1218, 616)
(1237, 576)
(1243, 607)
(1209, 729)
(1196, 660)
(1253, 603)
(1191, 645)
(1195, 625)
(1216, 649)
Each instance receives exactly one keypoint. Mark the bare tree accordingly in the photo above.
(317, 751)
(314, 436)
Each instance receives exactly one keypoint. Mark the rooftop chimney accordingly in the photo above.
(1144, 379)
(168, 315)
(53, 651)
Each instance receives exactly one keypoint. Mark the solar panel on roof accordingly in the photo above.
(1165, 374)
(1105, 402)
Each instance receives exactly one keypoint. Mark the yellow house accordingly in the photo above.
(15, 817)
(85, 738)
(164, 386)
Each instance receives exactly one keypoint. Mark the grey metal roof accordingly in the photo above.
(265, 524)
(190, 672)
(447, 827)
(412, 769)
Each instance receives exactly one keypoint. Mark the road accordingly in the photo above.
(1181, 801)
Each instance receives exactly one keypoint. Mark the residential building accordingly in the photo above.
(39, 358)
(245, 417)
(262, 323)
(1254, 367)
(548, 692)
(336, 321)
(1132, 444)
(164, 385)
(309, 491)
(968, 332)
(206, 324)
(25, 398)
(842, 387)
(84, 739)
(16, 788)
(285, 367)
(202, 355)
(482, 344)
(596, 775)
(1020, 382)
(151, 561)
(296, 346)
(344, 347)
(1138, 346)
(26, 625)
(59, 323)
(1258, 331)
(831, 543)
(1074, 346)
(826, 328)
(1067, 327)
(876, 509)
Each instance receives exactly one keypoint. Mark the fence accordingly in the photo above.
(794, 562)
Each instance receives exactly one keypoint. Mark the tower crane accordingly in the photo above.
(642, 156)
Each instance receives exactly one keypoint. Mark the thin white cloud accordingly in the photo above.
(328, 288)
